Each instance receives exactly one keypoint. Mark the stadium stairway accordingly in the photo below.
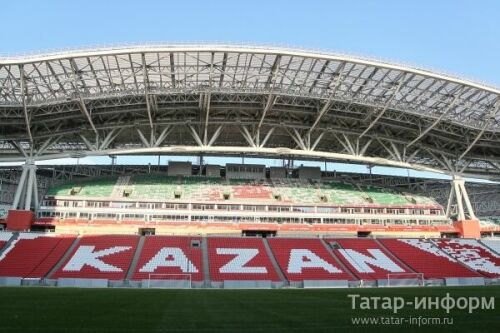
(339, 262)
(64, 258)
(206, 263)
(276, 267)
(493, 245)
(135, 258)
(394, 257)
(12, 238)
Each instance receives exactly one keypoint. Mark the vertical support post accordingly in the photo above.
(20, 187)
(467, 202)
(460, 206)
(27, 189)
(451, 197)
(459, 195)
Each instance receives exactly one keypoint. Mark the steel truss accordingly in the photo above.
(226, 99)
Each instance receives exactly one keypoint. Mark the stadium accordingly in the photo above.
(261, 206)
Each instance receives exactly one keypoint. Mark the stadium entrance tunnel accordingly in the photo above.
(363, 234)
(259, 233)
(147, 231)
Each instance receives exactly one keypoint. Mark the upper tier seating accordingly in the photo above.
(33, 255)
(239, 259)
(473, 254)
(424, 257)
(306, 259)
(99, 257)
(194, 188)
(170, 258)
(99, 187)
(385, 197)
(367, 259)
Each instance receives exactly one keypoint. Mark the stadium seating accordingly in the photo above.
(33, 255)
(98, 187)
(100, 257)
(170, 258)
(239, 259)
(424, 257)
(306, 259)
(473, 254)
(367, 259)
(195, 188)
(385, 197)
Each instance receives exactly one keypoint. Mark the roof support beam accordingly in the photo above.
(89, 145)
(487, 122)
(270, 84)
(146, 90)
(347, 146)
(172, 69)
(246, 134)
(110, 137)
(19, 148)
(268, 135)
(163, 135)
(362, 151)
(386, 106)
(215, 136)
(83, 107)
(297, 138)
(47, 144)
(437, 121)
(195, 136)
(143, 138)
(316, 142)
(25, 106)
(334, 85)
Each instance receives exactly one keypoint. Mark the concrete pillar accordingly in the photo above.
(27, 189)
(459, 196)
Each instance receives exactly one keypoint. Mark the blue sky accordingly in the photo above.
(458, 37)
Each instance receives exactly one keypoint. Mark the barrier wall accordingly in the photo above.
(82, 283)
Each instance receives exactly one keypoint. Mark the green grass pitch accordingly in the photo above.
(38, 309)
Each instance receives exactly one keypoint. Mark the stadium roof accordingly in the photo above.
(222, 99)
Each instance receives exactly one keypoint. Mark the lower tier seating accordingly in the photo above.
(239, 259)
(99, 257)
(424, 257)
(473, 254)
(367, 259)
(170, 258)
(306, 259)
(33, 255)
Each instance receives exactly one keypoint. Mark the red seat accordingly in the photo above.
(100, 257)
(239, 259)
(33, 255)
(178, 259)
(367, 259)
(424, 257)
(306, 259)
(473, 254)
